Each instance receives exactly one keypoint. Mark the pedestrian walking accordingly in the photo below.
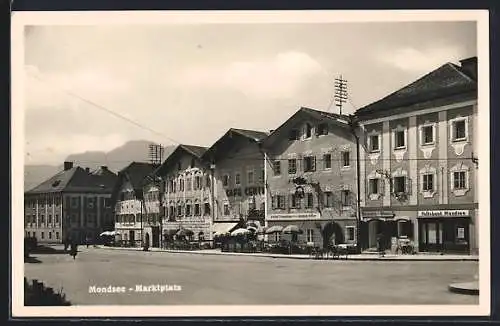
(380, 245)
(74, 249)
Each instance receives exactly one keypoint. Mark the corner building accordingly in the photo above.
(319, 147)
(417, 162)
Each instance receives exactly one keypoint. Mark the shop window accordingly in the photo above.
(277, 167)
(292, 166)
(309, 163)
(327, 161)
(310, 235)
(350, 233)
(404, 229)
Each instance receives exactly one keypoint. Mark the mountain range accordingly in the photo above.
(115, 160)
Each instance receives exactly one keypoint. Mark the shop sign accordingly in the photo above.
(444, 213)
(297, 216)
(247, 191)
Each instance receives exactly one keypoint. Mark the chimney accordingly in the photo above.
(87, 170)
(104, 167)
(469, 65)
(68, 166)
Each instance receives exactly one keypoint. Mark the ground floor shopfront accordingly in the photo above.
(427, 230)
(318, 231)
(128, 236)
(194, 230)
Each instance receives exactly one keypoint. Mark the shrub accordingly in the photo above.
(36, 294)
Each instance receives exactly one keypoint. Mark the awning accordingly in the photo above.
(223, 228)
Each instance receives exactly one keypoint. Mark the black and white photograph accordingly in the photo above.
(324, 163)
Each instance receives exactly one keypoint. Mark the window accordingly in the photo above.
(328, 199)
(427, 135)
(181, 185)
(74, 202)
(281, 202)
(350, 234)
(277, 167)
(261, 176)
(294, 201)
(225, 180)
(373, 186)
(188, 210)
(346, 159)
(459, 130)
(399, 184)
(327, 161)
(292, 166)
(42, 235)
(237, 178)
(428, 182)
(399, 139)
(309, 200)
(188, 184)
(293, 135)
(458, 180)
(309, 163)
(310, 235)
(250, 176)
(345, 198)
(50, 219)
(42, 218)
(192, 163)
(90, 202)
(50, 235)
(374, 143)
(179, 210)
(206, 209)
(57, 235)
(226, 209)
(197, 211)
(323, 129)
(307, 131)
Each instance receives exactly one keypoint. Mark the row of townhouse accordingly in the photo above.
(402, 167)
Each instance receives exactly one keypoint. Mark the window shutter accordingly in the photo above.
(273, 202)
(313, 163)
(408, 185)
(381, 183)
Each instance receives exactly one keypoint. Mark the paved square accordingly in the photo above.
(228, 280)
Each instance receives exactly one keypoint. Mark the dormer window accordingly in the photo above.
(322, 129)
(308, 131)
(293, 135)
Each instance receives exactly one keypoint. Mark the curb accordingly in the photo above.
(352, 258)
(464, 288)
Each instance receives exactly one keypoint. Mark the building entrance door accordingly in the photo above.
(132, 238)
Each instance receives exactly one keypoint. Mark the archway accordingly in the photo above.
(332, 233)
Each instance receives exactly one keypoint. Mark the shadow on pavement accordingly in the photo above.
(49, 250)
(32, 260)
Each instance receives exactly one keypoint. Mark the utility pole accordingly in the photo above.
(340, 92)
(156, 154)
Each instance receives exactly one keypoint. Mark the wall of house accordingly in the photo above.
(244, 168)
(129, 212)
(43, 217)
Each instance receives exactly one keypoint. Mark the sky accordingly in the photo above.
(190, 83)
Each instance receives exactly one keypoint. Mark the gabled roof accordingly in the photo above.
(134, 173)
(447, 80)
(76, 179)
(195, 151)
(220, 146)
(339, 120)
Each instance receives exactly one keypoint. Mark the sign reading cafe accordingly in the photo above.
(248, 191)
(444, 213)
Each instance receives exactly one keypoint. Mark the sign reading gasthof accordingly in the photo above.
(297, 216)
(444, 213)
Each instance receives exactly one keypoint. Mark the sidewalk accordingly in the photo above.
(361, 257)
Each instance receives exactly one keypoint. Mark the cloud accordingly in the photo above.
(278, 77)
(413, 60)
